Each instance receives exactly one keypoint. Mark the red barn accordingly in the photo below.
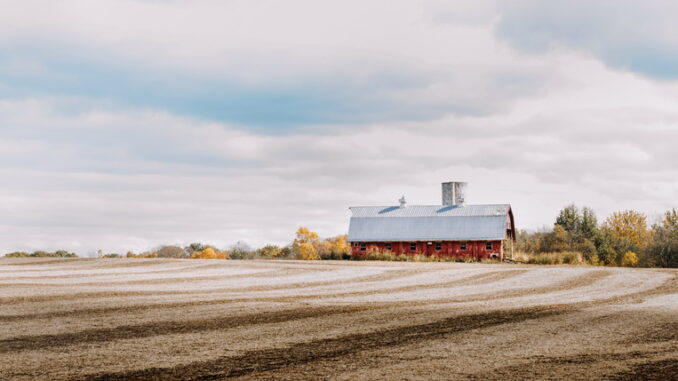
(451, 229)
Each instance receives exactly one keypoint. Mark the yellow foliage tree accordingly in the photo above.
(340, 245)
(630, 259)
(151, 254)
(626, 231)
(324, 249)
(307, 251)
(334, 247)
(629, 226)
(305, 235)
(305, 244)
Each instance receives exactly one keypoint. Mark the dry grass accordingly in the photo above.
(188, 320)
(559, 258)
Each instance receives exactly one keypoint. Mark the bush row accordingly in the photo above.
(41, 254)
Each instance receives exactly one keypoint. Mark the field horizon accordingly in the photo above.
(176, 319)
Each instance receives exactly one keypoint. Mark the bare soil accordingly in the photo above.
(157, 319)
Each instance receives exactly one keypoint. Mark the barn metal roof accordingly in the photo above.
(428, 223)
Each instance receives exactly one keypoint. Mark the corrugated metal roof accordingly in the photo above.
(428, 223)
(431, 211)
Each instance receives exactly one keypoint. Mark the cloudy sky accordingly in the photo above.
(125, 124)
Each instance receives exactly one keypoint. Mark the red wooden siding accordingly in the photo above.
(474, 249)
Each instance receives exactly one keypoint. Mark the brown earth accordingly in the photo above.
(155, 319)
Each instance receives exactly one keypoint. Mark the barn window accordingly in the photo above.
(413, 246)
(388, 247)
(355, 244)
(488, 246)
(463, 246)
(363, 247)
(439, 246)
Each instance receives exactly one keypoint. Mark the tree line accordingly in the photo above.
(41, 254)
(307, 245)
(622, 239)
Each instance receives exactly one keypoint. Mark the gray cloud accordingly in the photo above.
(271, 73)
(259, 188)
(421, 95)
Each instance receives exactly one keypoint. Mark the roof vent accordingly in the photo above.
(402, 201)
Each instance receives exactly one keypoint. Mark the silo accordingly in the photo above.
(454, 193)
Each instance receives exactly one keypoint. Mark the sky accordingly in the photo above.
(127, 124)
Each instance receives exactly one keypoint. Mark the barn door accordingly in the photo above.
(429, 248)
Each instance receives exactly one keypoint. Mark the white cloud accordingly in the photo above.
(385, 59)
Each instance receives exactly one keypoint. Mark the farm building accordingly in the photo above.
(451, 229)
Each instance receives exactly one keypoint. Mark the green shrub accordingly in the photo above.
(17, 254)
(41, 254)
(269, 251)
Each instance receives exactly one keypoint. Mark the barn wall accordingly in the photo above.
(474, 249)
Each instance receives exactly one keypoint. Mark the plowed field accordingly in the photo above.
(128, 319)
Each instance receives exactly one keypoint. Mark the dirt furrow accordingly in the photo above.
(471, 280)
(335, 320)
(317, 350)
(167, 327)
(109, 283)
(583, 366)
(88, 276)
(387, 275)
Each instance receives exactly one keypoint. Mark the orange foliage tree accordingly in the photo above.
(208, 253)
